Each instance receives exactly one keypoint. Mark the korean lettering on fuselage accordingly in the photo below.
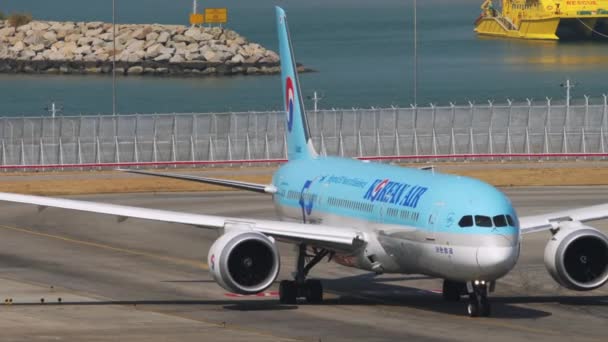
(387, 191)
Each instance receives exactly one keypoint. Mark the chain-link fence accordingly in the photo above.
(455, 130)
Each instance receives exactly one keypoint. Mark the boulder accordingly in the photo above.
(106, 36)
(135, 70)
(192, 56)
(163, 37)
(163, 58)
(237, 59)
(18, 47)
(135, 45)
(37, 37)
(72, 37)
(176, 59)
(83, 50)
(93, 32)
(50, 37)
(94, 25)
(27, 54)
(37, 47)
(154, 51)
(210, 56)
(152, 36)
(7, 31)
(39, 26)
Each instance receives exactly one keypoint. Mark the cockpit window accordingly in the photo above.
(466, 221)
(510, 221)
(500, 221)
(483, 221)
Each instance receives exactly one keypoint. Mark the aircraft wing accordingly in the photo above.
(536, 223)
(262, 188)
(330, 237)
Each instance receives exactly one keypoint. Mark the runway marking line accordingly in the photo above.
(197, 264)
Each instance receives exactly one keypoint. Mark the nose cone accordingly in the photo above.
(496, 261)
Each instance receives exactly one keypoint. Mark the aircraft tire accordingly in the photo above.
(314, 291)
(287, 292)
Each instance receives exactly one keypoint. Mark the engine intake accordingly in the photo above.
(244, 262)
(577, 257)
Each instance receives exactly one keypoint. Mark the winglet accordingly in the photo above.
(299, 143)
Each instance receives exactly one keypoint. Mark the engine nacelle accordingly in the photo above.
(244, 262)
(577, 257)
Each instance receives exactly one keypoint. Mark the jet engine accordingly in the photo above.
(244, 262)
(577, 257)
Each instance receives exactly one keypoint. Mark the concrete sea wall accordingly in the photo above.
(86, 47)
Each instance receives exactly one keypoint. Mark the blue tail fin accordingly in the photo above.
(299, 143)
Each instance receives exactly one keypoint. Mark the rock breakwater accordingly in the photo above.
(87, 47)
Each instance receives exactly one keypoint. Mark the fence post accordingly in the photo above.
(602, 146)
(359, 144)
(490, 143)
(116, 150)
(546, 143)
(471, 142)
(583, 143)
(60, 153)
(323, 147)
(4, 153)
(416, 152)
(266, 147)
(491, 104)
(434, 113)
(529, 111)
(22, 153)
(378, 146)
(211, 149)
(192, 149)
(41, 152)
(154, 150)
(564, 142)
(510, 102)
(397, 148)
(135, 151)
(247, 147)
(434, 144)
(509, 145)
(605, 113)
(453, 143)
(548, 119)
(528, 152)
(340, 144)
(453, 107)
(586, 118)
(472, 106)
(229, 148)
(414, 115)
(173, 150)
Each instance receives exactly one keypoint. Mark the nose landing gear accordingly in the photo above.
(478, 304)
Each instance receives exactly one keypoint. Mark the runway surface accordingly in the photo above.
(147, 281)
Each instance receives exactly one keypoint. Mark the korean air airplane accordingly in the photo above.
(375, 217)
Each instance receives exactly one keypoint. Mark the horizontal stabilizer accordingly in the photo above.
(262, 188)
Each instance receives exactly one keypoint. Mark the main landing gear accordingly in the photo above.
(478, 304)
(311, 289)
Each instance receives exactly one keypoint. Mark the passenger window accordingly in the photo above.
(510, 221)
(500, 221)
(483, 221)
(466, 221)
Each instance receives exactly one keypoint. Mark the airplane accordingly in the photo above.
(375, 217)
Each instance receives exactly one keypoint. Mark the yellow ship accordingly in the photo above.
(544, 19)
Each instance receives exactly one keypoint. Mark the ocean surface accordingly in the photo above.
(362, 51)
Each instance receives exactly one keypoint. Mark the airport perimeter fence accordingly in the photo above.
(532, 131)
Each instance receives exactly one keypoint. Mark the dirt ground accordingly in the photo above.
(97, 182)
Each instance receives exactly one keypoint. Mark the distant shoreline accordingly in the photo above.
(48, 47)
